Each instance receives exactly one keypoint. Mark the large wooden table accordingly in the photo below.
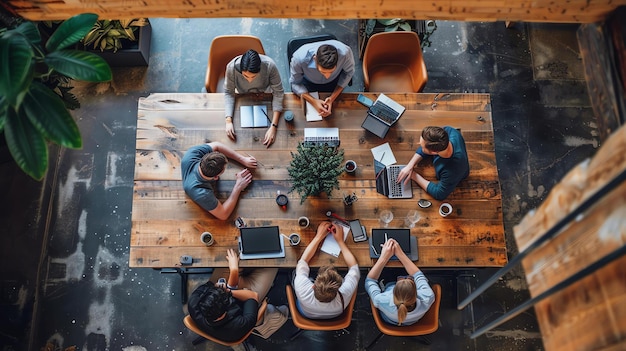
(167, 224)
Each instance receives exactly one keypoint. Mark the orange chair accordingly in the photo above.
(302, 323)
(223, 49)
(427, 325)
(189, 323)
(393, 62)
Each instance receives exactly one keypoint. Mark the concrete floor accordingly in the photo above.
(65, 240)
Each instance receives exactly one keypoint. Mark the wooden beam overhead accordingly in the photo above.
(565, 11)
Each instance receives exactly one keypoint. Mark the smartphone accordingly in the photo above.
(367, 102)
(358, 231)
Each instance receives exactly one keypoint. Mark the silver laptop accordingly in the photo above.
(383, 113)
(386, 183)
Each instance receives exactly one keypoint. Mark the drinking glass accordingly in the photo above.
(412, 217)
(386, 217)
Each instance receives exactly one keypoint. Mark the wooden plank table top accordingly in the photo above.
(167, 224)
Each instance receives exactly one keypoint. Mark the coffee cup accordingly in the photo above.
(288, 116)
(303, 222)
(207, 238)
(294, 239)
(445, 209)
(282, 200)
(350, 166)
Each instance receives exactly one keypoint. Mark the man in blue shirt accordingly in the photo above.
(447, 149)
(325, 66)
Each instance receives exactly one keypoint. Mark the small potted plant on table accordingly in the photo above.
(314, 170)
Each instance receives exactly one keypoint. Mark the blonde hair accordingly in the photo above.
(327, 284)
(404, 297)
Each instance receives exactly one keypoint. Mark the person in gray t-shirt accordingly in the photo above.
(202, 166)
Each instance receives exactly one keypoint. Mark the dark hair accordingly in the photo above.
(436, 138)
(250, 61)
(327, 56)
(214, 302)
(213, 163)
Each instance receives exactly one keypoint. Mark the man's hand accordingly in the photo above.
(405, 175)
(244, 177)
(328, 102)
(270, 136)
(249, 162)
(321, 107)
(233, 260)
(230, 130)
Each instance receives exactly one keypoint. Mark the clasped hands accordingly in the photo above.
(323, 107)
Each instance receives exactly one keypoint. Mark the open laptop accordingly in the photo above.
(386, 184)
(260, 242)
(403, 236)
(381, 115)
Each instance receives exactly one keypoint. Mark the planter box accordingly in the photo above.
(138, 55)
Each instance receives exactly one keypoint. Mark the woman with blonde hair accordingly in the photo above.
(404, 301)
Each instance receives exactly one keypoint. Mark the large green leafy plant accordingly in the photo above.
(32, 108)
(109, 35)
(314, 170)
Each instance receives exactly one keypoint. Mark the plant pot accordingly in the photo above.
(136, 54)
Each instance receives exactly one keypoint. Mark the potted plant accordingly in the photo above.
(314, 170)
(34, 89)
(121, 43)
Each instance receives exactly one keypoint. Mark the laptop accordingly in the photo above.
(386, 184)
(403, 236)
(381, 115)
(260, 242)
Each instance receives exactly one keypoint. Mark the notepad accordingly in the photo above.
(383, 154)
(330, 245)
(254, 116)
(311, 113)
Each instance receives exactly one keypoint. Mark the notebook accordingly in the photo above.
(260, 242)
(254, 116)
(382, 115)
(407, 242)
(310, 112)
(386, 184)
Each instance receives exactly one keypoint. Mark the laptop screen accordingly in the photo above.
(256, 240)
(402, 236)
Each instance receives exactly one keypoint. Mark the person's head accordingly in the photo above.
(213, 164)
(250, 65)
(326, 59)
(434, 140)
(404, 296)
(327, 284)
(214, 303)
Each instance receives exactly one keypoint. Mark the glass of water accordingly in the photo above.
(412, 217)
(386, 217)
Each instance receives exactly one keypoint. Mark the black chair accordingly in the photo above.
(295, 43)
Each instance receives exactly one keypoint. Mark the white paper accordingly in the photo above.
(311, 113)
(330, 245)
(383, 154)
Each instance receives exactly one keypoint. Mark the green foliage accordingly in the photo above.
(34, 91)
(394, 24)
(108, 35)
(314, 170)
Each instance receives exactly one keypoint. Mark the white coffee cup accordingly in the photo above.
(294, 239)
(445, 209)
(303, 222)
(207, 238)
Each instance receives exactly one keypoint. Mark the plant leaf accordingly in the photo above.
(26, 144)
(47, 112)
(71, 31)
(405, 26)
(30, 31)
(16, 68)
(80, 65)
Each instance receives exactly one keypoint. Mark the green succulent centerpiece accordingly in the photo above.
(315, 169)
(110, 35)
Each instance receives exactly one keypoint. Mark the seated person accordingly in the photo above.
(330, 294)
(228, 312)
(447, 148)
(202, 166)
(402, 302)
(253, 73)
(325, 66)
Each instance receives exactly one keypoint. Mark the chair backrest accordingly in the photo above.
(296, 43)
(340, 322)
(428, 324)
(399, 48)
(223, 49)
(189, 323)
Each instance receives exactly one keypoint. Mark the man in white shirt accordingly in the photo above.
(330, 293)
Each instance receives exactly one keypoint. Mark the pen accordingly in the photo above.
(381, 157)
(386, 237)
(266, 116)
(374, 249)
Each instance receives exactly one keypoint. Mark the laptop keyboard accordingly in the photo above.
(384, 112)
(395, 189)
